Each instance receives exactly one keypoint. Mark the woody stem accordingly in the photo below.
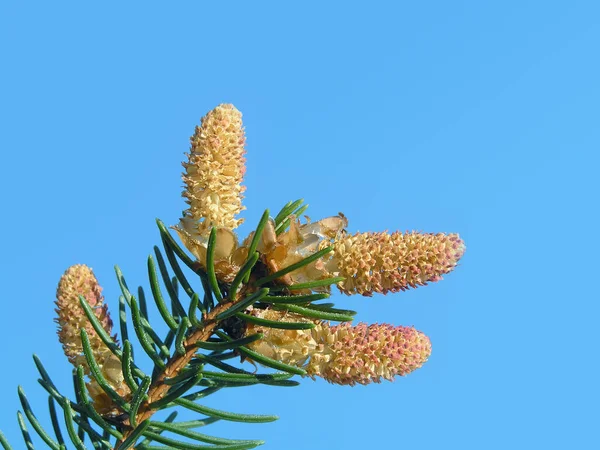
(159, 388)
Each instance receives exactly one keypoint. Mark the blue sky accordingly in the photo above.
(473, 117)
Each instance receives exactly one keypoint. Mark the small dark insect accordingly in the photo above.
(234, 327)
(116, 418)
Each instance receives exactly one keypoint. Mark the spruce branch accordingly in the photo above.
(160, 387)
(261, 302)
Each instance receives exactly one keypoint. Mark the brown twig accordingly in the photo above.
(158, 389)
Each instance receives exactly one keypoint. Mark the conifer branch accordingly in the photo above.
(176, 363)
(259, 303)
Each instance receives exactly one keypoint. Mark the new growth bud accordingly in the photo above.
(80, 280)
(213, 186)
(343, 354)
(214, 172)
(383, 262)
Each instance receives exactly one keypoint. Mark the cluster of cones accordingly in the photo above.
(365, 264)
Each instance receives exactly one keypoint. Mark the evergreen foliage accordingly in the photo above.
(264, 300)
(204, 331)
